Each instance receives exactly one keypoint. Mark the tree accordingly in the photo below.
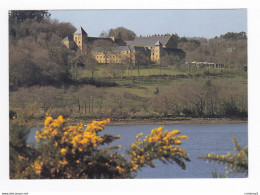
(67, 151)
(234, 36)
(19, 16)
(121, 33)
(141, 59)
(23, 68)
(85, 96)
(89, 63)
(36, 54)
(127, 62)
(103, 34)
(105, 47)
(169, 60)
(167, 102)
(76, 66)
(19, 150)
(115, 70)
(50, 100)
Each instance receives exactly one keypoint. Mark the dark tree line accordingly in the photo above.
(16, 16)
(36, 55)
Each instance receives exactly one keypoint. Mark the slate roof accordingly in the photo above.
(118, 48)
(128, 42)
(157, 43)
(150, 41)
(66, 38)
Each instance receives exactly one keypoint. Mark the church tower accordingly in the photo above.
(157, 51)
(79, 37)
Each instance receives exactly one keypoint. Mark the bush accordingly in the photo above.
(235, 163)
(67, 151)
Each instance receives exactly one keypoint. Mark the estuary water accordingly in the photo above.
(202, 139)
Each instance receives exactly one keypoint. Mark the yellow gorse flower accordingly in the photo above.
(159, 144)
(70, 139)
(75, 135)
(63, 151)
(37, 166)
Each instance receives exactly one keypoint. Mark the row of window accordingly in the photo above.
(104, 57)
(109, 61)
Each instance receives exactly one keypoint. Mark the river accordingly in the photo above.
(202, 139)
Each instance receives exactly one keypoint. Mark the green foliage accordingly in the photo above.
(235, 163)
(122, 33)
(19, 149)
(234, 36)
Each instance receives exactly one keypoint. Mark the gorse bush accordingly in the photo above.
(235, 163)
(68, 151)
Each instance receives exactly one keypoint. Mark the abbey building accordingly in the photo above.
(110, 50)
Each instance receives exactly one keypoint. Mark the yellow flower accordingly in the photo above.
(38, 167)
(63, 151)
(177, 141)
(20, 158)
(63, 162)
(139, 135)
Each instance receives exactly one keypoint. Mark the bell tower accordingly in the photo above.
(79, 36)
(157, 51)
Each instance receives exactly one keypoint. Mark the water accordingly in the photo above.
(202, 139)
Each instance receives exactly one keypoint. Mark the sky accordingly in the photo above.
(189, 23)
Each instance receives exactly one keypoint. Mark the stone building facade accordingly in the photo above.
(142, 50)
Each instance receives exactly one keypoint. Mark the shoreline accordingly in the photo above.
(177, 121)
(183, 121)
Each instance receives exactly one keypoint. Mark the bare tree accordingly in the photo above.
(127, 62)
(115, 70)
(105, 47)
(86, 96)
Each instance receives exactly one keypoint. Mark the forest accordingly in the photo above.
(46, 77)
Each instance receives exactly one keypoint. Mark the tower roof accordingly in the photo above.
(158, 43)
(66, 38)
(80, 31)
